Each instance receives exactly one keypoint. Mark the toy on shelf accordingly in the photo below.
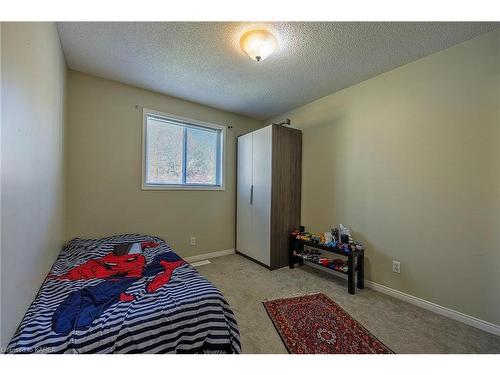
(339, 265)
(345, 233)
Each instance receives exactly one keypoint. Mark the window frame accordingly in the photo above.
(189, 122)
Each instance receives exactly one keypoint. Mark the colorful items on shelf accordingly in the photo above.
(316, 238)
(312, 255)
(315, 256)
(339, 238)
(339, 265)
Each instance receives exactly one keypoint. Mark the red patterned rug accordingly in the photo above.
(315, 324)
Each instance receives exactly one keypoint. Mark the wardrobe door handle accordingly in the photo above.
(251, 194)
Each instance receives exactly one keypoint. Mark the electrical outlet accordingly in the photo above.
(193, 241)
(396, 266)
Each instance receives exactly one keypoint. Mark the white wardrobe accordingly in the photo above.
(268, 193)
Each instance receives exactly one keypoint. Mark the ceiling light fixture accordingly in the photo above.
(258, 44)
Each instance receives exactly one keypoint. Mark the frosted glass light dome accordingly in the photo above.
(258, 44)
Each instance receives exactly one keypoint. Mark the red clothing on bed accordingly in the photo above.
(109, 265)
(163, 277)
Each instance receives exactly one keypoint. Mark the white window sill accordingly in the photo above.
(183, 187)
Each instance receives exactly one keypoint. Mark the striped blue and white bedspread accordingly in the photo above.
(186, 315)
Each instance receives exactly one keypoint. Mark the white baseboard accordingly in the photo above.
(215, 254)
(431, 306)
(438, 309)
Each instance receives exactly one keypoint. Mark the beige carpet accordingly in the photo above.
(401, 326)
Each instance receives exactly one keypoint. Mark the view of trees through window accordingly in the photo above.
(177, 154)
(201, 167)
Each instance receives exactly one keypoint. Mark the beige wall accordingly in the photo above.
(410, 161)
(104, 170)
(32, 186)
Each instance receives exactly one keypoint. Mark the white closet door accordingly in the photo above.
(261, 200)
(244, 184)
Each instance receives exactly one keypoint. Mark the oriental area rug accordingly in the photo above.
(314, 324)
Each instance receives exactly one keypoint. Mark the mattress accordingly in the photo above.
(156, 303)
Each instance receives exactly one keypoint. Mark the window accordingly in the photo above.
(180, 153)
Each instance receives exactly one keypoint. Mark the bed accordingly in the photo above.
(148, 300)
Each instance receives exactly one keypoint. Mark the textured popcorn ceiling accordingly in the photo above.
(202, 61)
